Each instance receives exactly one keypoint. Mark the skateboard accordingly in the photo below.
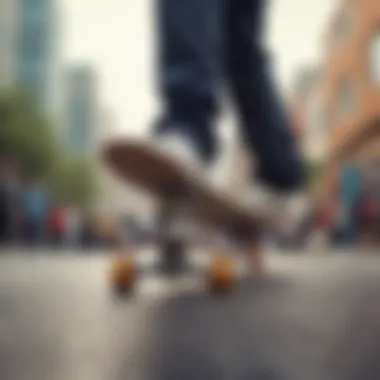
(183, 198)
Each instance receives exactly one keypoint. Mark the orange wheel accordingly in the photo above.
(122, 274)
(222, 274)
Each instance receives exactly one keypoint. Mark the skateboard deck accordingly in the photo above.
(140, 164)
(151, 170)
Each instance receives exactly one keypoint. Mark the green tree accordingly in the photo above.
(27, 135)
(73, 181)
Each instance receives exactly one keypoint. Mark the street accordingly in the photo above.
(310, 318)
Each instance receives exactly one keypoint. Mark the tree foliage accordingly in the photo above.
(73, 181)
(28, 137)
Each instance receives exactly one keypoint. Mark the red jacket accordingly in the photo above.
(369, 209)
(57, 220)
(324, 217)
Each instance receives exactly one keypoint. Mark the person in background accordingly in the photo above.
(73, 226)
(349, 191)
(87, 230)
(36, 207)
(10, 201)
(57, 224)
(4, 204)
(368, 209)
(369, 218)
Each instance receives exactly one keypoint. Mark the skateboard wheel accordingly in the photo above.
(122, 274)
(222, 274)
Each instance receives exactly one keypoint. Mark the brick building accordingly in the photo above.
(351, 84)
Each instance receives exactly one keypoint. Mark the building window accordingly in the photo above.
(346, 99)
(375, 57)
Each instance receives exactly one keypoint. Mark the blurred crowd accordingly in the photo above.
(349, 217)
(29, 216)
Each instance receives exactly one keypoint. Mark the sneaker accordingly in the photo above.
(164, 165)
(177, 148)
(282, 211)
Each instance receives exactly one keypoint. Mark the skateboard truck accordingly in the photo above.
(171, 246)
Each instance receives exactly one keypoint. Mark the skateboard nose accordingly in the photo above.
(113, 154)
(109, 151)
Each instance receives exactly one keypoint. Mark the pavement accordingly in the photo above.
(311, 317)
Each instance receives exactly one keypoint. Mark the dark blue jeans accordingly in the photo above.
(205, 45)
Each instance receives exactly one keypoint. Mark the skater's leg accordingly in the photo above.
(263, 119)
(189, 34)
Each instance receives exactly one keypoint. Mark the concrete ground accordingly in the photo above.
(311, 317)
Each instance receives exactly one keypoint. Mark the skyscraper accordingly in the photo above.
(8, 33)
(81, 110)
(37, 50)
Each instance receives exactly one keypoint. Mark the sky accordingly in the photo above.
(116, 37)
